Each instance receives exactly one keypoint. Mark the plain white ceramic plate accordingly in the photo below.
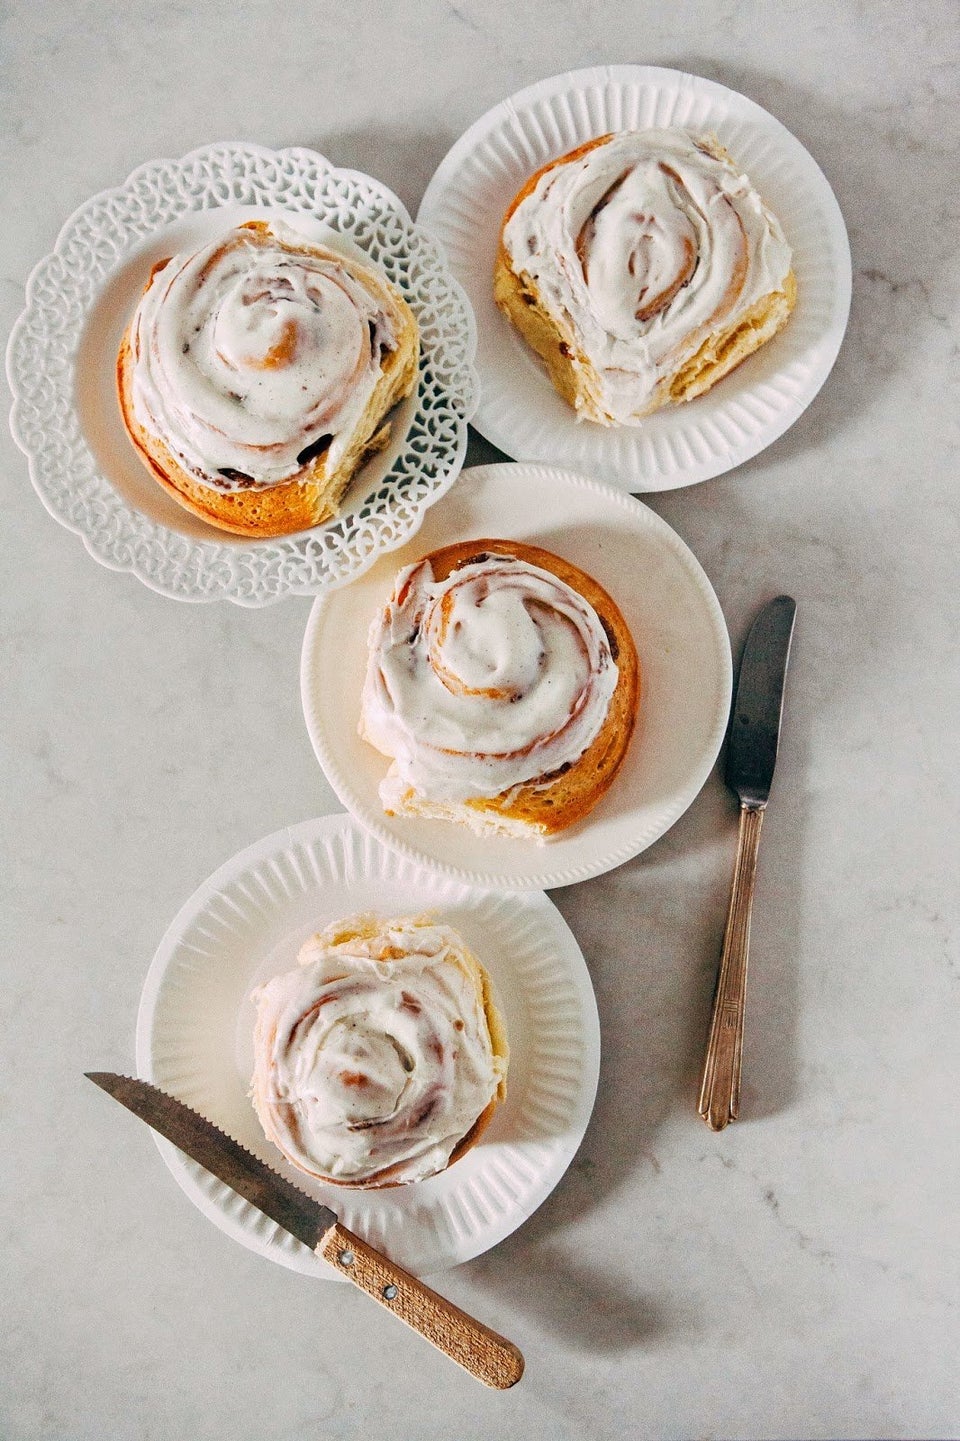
(519, 410)
(680, 634)
(61, 365)
(247, 923)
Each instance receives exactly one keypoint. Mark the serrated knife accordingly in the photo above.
(482, 1352)
(751, 757)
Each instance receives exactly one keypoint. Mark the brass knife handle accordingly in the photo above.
(486, 1355)
(720, 1082)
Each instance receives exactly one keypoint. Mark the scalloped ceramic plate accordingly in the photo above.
(681, 638)
(519, 410)
(61, 362)
(247, 923)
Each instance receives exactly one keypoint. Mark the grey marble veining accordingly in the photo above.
(796, 1275)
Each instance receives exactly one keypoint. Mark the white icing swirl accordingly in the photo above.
(374, 1056)
(498, 675)
(253, 351)
(643, 246)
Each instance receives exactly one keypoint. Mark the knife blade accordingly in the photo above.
(485, 1354)
(758, 707)
(752, 746)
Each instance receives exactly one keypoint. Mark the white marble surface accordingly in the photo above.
(796, 1275)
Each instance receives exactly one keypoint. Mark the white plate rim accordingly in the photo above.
(240, 1220)
(545, 875)
(182, 565)
(515, 434)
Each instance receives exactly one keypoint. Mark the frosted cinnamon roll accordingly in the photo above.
(382, 1057)
(642, 267)
(256, 374)
(503, 682)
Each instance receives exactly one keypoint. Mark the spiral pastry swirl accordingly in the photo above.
(485, 676)
(379, 1058)
(642, 266)
(259, 363)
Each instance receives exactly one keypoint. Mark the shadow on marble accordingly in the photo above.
(403, 157)
(578, 1305)
(481, 451)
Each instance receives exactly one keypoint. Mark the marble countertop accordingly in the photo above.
(795, 1275)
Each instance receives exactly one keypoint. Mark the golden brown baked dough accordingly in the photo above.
(551, 799)
(238, 498)
(381, 1059)
(598, 355)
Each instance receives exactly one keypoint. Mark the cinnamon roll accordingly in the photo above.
(642, 267)
(256, 374)
(503, 682)
(382, 1057)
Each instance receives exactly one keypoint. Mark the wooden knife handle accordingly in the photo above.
(491, 1358)
(720, 1082)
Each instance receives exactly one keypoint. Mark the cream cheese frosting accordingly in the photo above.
(374, 1058)
(255, 353)
(641, 247)
(498, 675)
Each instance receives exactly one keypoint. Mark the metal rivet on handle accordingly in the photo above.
(346, 1258)
(389, 1292)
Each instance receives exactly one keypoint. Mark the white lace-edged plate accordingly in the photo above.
(61, 362)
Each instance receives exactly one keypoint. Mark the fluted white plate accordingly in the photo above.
(61, 366)
(247, 923)
(681, 638)
(519, 410)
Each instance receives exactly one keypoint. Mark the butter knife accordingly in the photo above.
(751, 757)
(482, 1352)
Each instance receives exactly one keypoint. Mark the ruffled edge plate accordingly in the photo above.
(519, 411)
(61, 362)
(247, 923)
